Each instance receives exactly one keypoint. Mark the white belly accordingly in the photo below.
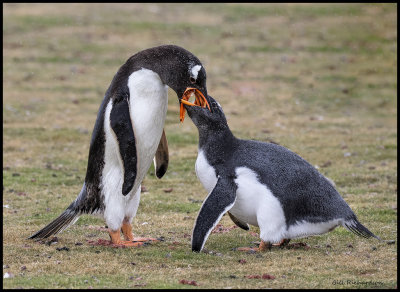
(256, 205)
(148, 108)
(304, 228)
(205, 172)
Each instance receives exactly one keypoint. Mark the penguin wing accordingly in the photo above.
(239, 223)
(120, 122)
(161, 158)
(220, 200)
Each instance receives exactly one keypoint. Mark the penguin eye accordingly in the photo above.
(192, 80)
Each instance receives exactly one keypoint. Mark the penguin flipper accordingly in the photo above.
(220, 200)
(120, 122)
(161, 158)
(239, 223)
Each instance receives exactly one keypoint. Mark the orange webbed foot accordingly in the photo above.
(130, 240)
(144, 239)
(284, 242)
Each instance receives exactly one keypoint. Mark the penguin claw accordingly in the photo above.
(131, 244)
(144, 239)
(136, 242)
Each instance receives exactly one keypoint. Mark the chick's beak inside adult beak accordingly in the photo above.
(200, 100)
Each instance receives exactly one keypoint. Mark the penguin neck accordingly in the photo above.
(218, 137)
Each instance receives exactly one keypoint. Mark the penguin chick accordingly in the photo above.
(262, 184)
(127, 135)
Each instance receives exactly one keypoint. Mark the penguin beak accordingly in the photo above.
(200, 100)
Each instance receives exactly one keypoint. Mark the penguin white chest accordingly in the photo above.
(255, 204)
(205, 172)
(148, 107)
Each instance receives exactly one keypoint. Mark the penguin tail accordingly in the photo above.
(356, 227)
(67, 218)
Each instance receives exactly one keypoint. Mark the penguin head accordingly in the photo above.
(178, 68)
(205, 119)
(186, 73)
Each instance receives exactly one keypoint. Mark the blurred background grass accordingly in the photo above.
(320, 79)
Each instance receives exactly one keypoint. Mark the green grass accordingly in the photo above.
(319, 79)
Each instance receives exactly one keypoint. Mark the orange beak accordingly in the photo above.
(200, 100)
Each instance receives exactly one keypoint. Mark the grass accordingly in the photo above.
(322, 76)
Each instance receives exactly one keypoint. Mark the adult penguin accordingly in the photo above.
(262, 184)
(128, 134)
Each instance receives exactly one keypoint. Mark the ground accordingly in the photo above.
(319, 79)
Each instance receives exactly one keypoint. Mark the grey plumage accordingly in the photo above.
(304, 194)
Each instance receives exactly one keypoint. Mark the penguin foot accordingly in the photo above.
(121, 244)
(144, 239)
(115, 240)
(127, 243)
(127, 231)
(135, 242)
(128, 235)
(115, 236)
(248, 249)
(284, 242)
(261, 248)
(264, 246)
